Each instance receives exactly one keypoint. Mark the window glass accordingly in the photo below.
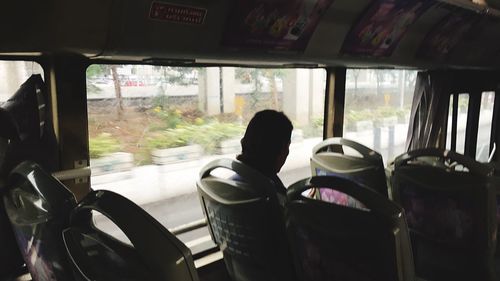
(13, 74)
(484, 128)
(463, 108)
(377, 109)
(152, 128)
(450, 124)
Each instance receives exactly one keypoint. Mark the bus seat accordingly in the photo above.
(38, 207)
(246, 222)
(155, 253)
(22, 136)
(26, 122)
(10, 256)
(328, 158)
(451, 213)
(338, 242)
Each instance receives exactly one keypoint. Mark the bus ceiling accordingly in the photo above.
(380, 33)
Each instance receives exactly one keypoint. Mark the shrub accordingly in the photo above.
(209, 136)
(171, 118)
(102, 145)
(169, 139)
(314, 129)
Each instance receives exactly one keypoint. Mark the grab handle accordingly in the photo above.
(145, 233)
(248, 174)
(363, 150)
(365, 195)
(472, 165)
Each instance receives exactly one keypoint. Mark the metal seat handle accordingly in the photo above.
(122, 212)
(249, 174)
(363, 150)
(365, 195)
(473, 166)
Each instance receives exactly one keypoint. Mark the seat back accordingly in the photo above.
(10, 256)
(155, 253)
(368, 241)
(24, 134)
(38, 207)
(246, 222)
(328, 158)
(451, 214)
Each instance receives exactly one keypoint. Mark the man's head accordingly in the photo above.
(267, 140)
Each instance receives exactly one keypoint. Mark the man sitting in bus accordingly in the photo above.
(265, 145)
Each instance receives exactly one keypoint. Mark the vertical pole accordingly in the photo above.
(495, 133)
(454, 123)
(328, 115)
(221, 91)
(390, 147)
(472, 124)
(339, 101)
(377, 138)
(68, 85)
(402, 76)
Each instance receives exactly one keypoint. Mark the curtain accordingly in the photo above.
(429, 111)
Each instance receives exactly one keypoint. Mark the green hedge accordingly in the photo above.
(209, 136)
(102, 145)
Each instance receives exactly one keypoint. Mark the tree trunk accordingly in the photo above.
(402, 79)
(273, 88)
(355, 74)
(379, 78)
(118, 92)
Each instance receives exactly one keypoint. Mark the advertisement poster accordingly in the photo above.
(379, 30)
(447, 33)
(273, 25)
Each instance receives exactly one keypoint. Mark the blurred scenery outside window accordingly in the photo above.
(377, 109)
(15, 73)
(484, 128)
(152, 128)
(463, 109)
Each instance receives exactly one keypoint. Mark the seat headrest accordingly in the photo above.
(22, 116)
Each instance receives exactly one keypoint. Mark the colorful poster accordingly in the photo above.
(447, 33)
(273, 25)
(382, 26)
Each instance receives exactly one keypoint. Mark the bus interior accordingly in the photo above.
(120, 123)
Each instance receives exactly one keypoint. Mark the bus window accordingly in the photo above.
(377, 108)
(152, 128)
(484, 128)
(13, 74)
(463, 108)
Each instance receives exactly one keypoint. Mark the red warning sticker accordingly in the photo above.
(177, 13)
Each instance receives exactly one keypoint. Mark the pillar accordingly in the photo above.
(296, 87)
(228, 89)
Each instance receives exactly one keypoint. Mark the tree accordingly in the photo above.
(118, 91)
(259, 76)
(382, 75)
(353, 74)
(171, 75)
(96, 70)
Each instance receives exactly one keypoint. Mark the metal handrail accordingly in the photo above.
(86, 172)
(71, 174)
(188, 227)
